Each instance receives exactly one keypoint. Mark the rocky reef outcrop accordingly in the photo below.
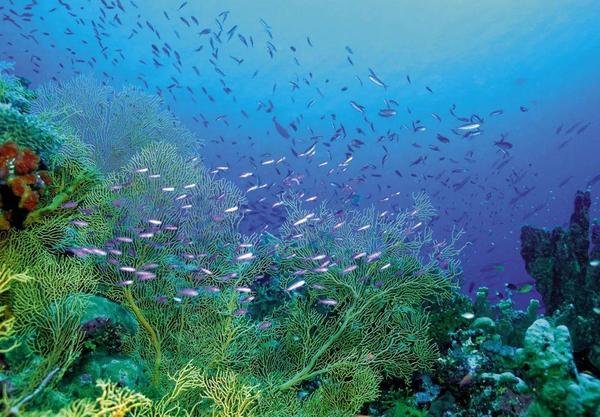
(566, 267)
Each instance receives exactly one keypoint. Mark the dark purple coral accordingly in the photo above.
(567, 275)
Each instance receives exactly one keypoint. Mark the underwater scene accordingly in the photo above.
(333, 208)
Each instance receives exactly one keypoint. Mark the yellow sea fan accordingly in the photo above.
(6, 320)
(229, 394)
(118, 401)
(53, 278)
(79, 408)
(348, 387)
(114, 401)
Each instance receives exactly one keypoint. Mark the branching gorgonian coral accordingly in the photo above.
(358, 285)
(172, 236)
(7, 320)
(116, 123)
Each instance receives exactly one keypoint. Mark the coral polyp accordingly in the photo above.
(22, 184)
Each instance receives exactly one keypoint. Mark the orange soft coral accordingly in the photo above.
(26, 162)
(29, 200)
(20, 184)
(9, 150)
(45, 177)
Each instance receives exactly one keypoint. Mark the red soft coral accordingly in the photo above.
(29, 200)
(21, 178)
(9, 150)
(18, 186)
(26, 161)
(45, 177)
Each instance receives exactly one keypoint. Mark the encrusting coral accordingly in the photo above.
(17, 125)
(13, 90)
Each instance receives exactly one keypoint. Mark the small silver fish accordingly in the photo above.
(296, 285)
(469, 126)
(245, 257)
(328, 301)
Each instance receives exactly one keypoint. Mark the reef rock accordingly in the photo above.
(119, 369)
(567, 274)
(98, 309)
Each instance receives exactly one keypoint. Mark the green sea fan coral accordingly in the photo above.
(7, 319)
(48, 310)
(230, 395)
(159, 184)
(343, 236)
(347, 388)
(116, 123)
(54, 279)
(168, 223)
(358, 288)
(47, 307)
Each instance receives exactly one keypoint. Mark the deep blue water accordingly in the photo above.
(536, 61)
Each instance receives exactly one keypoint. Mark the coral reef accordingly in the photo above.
(562, 263)
(21, 184)
(17, 125)
(482, 376)
(116, 123)
(128, 290)
(551, 373)
(31, 149)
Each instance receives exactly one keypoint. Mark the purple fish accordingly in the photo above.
(280, 129)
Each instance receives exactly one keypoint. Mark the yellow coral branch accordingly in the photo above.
(153, 336)
(7, 323)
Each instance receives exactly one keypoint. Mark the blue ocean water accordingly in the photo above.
(303, 64)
